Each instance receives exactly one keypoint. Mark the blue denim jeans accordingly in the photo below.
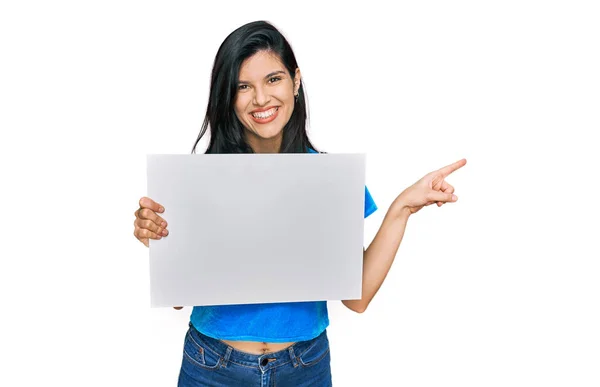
(211, 362)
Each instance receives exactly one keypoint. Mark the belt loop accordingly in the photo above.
(293, 356)
(226, 357)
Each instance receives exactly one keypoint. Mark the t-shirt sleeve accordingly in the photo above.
(370, 206)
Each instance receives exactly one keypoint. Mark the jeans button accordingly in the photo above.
(264, 362)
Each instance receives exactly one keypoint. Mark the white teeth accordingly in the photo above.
(266, 114)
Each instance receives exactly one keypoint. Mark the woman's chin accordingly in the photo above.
(267, 135)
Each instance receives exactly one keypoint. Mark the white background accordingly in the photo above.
(498, 289)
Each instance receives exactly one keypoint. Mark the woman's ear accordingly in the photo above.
(297, 77)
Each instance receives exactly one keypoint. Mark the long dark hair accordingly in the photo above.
(226, 130)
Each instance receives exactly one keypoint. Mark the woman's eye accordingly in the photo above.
(242, 87)
(274, 79)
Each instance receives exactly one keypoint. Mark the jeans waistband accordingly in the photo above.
(265, 361)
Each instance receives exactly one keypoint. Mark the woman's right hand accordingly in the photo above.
(147, 224)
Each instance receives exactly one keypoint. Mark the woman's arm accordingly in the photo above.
(379, 256)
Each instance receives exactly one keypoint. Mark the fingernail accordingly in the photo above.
(164, 224)
(454, 197)
(161, 209)
(165, 232)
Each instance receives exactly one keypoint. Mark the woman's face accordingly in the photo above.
(264, 101)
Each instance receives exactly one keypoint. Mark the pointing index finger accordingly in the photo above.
(448, 169)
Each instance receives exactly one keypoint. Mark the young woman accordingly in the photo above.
(257, 105)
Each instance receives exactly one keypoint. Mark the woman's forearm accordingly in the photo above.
(379, 256)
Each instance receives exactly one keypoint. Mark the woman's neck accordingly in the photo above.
(260, 145)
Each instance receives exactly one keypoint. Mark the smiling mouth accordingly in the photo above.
(266, 116)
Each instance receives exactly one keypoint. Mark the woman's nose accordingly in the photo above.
(261, 97)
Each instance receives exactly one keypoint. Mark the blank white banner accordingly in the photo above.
(257, 228)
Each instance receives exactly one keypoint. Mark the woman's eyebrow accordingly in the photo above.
(274, 73)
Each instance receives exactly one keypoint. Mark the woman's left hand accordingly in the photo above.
(432, 188)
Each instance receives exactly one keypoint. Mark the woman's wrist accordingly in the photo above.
(399, 210)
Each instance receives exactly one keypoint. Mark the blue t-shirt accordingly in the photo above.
(271, 322)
